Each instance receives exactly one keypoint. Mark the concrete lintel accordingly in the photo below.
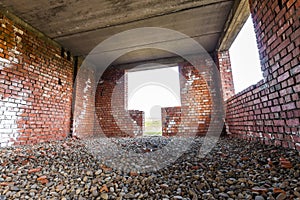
(169, 61)
(235, 21)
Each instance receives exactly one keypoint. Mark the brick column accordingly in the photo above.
(226, 74)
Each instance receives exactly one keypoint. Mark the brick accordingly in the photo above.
(286, 59)
(276, 109)
(293, 122)
(296, 88)
(283, 77)
(283, 29)
(295, 35)
(289, 106)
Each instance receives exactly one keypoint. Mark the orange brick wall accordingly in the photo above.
(35, 87)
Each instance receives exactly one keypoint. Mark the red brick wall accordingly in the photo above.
(193, 116)
(35, 87)
(224, 63)
(139, 118)
(111, 106)
(195, 100)
(115, 120)
(270, 111)
(171, 120)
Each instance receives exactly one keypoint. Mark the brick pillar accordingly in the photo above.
(226, 74)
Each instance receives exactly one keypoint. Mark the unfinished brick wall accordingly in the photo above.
(35, 86)
(193, 116)
(111, 106)
(270, 110)
(171, 120)
(138, 117)
(116, 121)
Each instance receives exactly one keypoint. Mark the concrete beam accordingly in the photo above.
(235, 21)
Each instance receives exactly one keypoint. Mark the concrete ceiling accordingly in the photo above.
(80, 25)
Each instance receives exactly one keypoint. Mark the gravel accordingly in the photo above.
(71, 169)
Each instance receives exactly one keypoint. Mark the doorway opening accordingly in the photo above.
(150, 90)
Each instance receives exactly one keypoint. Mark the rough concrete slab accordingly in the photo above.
(79, 25)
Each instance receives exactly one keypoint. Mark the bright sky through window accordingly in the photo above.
(148, 89)
(244, 56)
